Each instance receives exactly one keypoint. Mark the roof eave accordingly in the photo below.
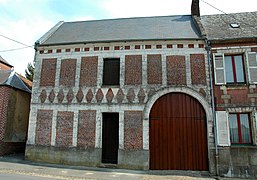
(111, 41)
(7, 64)
(232, 40)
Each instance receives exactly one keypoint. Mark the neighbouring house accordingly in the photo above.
(15, 95)
(130, 92)
(4, 65)
(233, 46)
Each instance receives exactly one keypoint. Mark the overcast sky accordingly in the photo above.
(27, 20)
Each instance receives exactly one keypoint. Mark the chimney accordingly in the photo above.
(195, 9)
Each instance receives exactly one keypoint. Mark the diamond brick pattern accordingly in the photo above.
(120, 96)
(151, 92)
(70, 96)
(43, 96)
(51, 96)
(141, 95)
(99, 95)
(109, 95)
(131, 95)
(89, 95)
(202, 92)
(60, 96)
(80, 95)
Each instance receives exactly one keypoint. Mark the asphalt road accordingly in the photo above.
(16, 168)
(23, 177)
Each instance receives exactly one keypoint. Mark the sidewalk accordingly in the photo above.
(15, 164)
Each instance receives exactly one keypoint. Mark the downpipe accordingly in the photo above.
(208, 48)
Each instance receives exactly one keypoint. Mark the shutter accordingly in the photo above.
(219, 68)
(223, 138)
(252, 67)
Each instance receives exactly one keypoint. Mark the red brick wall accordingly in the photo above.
(133, 134)
(86, 128)
(6, 147)
(154, 69)
(4, 97)
(44, 127)
(198, 72)
(48, 72)
(133, 69)
(239, 96)
(88, 71)
(217, 97)
(64, 128)
(68, 72)
(176, 70)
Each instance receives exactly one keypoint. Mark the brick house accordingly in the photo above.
(233, 46)
(4, 65)
(15, 95)
(130, 92)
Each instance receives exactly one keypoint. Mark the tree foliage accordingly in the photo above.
(29, 72)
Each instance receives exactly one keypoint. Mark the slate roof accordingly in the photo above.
(10, 78)
(125, 29)
(2, 60)
(217, 27)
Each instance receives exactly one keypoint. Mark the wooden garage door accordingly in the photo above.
(178, 135)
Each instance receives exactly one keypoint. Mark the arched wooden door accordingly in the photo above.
(178, 134)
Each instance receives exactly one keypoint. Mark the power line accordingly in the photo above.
(231, 15)
(14, 40)
(8, 50)
(213, 7)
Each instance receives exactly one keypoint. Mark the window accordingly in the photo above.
(231, 69)
(111, 72)
(234, 68)
(240, 131)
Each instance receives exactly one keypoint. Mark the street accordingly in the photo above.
(15, 167)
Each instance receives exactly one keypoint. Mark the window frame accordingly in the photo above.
(239, 130)
(234, 71)
(104, 83)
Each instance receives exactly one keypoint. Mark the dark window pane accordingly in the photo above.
(239, 69)
(111, 73)
(229, 69)
(245, 128)
(234, 137)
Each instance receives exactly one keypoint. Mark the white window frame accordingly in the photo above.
(219, 68)
(252, 67)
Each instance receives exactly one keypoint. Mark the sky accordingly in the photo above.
(26, 21)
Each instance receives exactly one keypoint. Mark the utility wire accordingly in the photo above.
(231, 15)
(213, 6)
(7, 50)
(14, 40)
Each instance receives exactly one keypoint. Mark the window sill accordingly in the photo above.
(243, 146)
(237, 86)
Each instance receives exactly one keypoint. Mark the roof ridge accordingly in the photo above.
(124, 18)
